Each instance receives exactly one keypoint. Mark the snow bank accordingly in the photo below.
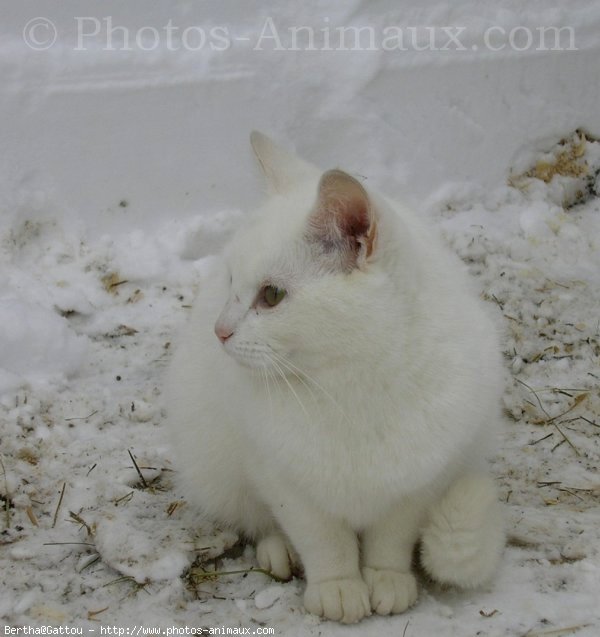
(36, 343)
(96, 122)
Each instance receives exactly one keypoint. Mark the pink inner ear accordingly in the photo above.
(352, 217)
(343, 218)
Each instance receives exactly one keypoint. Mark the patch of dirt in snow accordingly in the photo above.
(94, 532)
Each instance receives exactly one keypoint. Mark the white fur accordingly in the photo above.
(361, 405)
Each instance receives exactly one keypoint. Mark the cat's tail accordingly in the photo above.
(464, 538)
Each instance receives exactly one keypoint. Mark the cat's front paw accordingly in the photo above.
(390, 591)
(273, 555)
(342, 600)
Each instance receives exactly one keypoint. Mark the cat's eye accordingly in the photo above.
(272, 295)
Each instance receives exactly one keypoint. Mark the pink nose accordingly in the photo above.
(223, 332)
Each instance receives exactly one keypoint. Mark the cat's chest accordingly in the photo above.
(345, 456)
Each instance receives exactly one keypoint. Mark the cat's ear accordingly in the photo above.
(344, 219)
(282, 169)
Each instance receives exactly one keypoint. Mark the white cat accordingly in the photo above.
(341, 411)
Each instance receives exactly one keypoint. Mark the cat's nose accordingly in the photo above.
(223, 331)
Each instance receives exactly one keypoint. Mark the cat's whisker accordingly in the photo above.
(297, 373)
(265, 375)
(291, 388)
(300, 374)
(277, 380)
(320, 387)
(270, 374)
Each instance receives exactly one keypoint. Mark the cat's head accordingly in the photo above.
(306, 286)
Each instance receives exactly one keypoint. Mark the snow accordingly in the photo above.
(36, 342)
(123, 172)
(268, 596)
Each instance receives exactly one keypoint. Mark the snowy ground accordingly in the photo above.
(87, 541)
